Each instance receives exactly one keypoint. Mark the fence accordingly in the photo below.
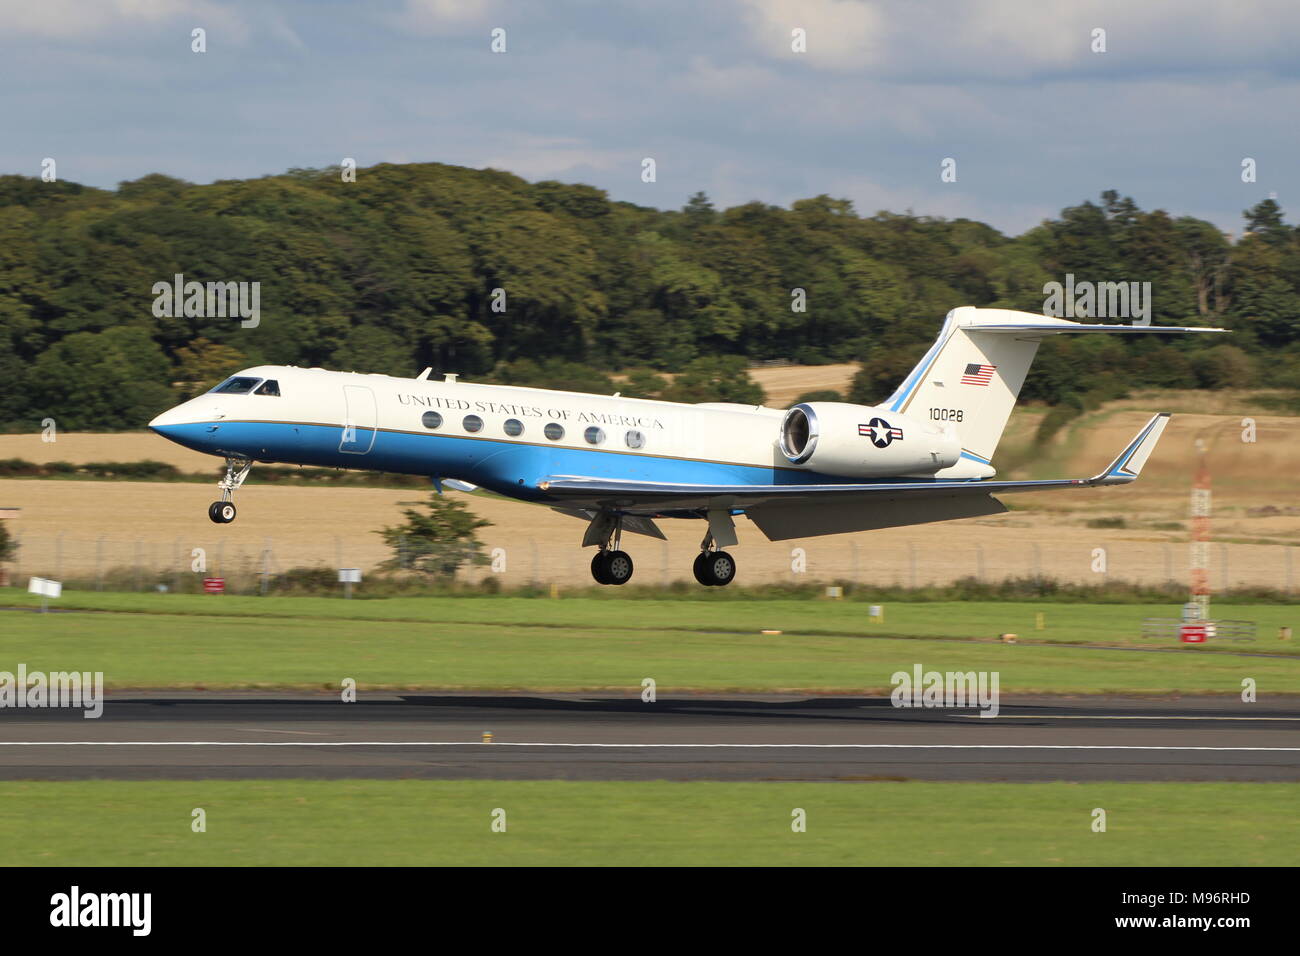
(250, 562)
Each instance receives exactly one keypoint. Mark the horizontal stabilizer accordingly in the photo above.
(1129, 464)
(1056, 326)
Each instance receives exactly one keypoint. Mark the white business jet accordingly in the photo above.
(924, 454)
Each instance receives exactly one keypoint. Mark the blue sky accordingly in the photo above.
(711, 90)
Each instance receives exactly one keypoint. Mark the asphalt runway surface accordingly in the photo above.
(241, 735)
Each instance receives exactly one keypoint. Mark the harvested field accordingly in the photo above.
(784, 383)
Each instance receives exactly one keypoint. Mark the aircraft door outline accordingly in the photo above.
(360, 418)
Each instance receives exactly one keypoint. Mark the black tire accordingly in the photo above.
(715, 569)
(618, 567)
(598, 567)
(701, 574)
(222, 512)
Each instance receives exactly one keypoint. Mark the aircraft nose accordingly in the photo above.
(167, 419)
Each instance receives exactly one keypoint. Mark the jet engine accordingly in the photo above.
(858, 441)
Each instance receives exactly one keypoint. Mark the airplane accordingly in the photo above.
(924, 454)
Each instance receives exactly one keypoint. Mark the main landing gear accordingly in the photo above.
(714, 568)
(223, 511)
(611, 565)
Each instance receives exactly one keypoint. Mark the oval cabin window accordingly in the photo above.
(431, 420)
(553, 431)
(635, 439)
(513, 427)
(594, 435)
(473, 423)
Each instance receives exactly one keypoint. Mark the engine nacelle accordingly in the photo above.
(858, 441)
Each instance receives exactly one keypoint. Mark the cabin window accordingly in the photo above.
(473, 423)
(513, 427)
(431, 420)
(238, 385)
(269, 387)
(635, 439)
(594, 435)
(554, 431)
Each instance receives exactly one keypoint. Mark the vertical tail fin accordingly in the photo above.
(972, 375)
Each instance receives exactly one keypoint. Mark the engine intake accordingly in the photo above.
(799, 434)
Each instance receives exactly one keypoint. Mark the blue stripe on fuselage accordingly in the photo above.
(510, 468)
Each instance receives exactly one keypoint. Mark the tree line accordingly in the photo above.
(483, 273)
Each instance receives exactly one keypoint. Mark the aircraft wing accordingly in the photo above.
(839, 507)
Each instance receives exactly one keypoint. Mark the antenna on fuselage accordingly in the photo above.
(424, 376)
(449, 377)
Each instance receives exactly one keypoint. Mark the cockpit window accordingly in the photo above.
(269, 387)
(239, 385)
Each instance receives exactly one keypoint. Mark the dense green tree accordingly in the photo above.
(715, 378)
(437, 541)
(556, 374)
(482, 273)
(101, 381)
(203, 364)
(8, 546)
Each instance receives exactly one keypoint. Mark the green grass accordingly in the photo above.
(590, 643)
(1119, 624)
(423, 823)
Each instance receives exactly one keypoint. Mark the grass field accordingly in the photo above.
(422, 823)
(605, 643)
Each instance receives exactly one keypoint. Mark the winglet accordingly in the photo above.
(1129, 464)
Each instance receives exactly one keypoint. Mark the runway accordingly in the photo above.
(212, 735)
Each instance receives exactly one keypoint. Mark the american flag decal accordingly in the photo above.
(977, 374)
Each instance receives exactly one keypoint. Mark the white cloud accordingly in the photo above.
(841, 34)
(444, 16)
(706, 77)
(1018, 39)
(82, 19)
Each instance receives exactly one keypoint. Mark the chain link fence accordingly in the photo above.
(149, 562)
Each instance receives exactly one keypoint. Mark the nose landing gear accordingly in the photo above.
(223, 511)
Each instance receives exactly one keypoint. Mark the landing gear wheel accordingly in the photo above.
(222, 512)
(611, 567)
(598, 567)
(700, 574)
(618, 567)
(714, 568)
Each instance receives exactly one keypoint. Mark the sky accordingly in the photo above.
(1013, 91)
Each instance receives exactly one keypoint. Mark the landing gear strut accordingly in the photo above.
(223, 511)
(610, 565)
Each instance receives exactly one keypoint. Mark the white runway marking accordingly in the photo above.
(499, 744)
